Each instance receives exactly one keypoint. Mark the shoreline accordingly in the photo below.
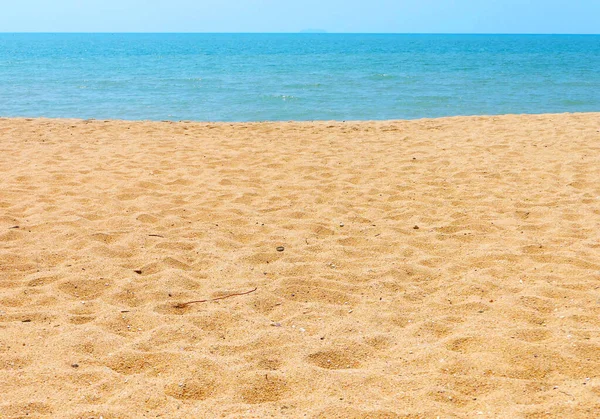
(320, 121)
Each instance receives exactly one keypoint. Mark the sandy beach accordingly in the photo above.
(394, 269)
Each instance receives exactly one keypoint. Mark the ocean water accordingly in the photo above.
(250, 77)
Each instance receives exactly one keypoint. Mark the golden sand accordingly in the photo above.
(445, 267)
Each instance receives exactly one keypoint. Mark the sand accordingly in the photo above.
(445, 267)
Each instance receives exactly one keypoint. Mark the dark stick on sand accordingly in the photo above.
(183, 305)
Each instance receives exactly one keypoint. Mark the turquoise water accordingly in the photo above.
(248, 77)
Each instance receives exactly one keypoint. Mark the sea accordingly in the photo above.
(258, 77)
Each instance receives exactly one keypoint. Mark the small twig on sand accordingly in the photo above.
(184, 305)
(156, 235)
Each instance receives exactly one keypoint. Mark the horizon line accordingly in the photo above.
(292, 33)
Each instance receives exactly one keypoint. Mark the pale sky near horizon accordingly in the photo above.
(379, 16)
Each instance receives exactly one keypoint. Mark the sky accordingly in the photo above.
(373, 16)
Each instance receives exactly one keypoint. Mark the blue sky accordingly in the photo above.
(403, 16)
